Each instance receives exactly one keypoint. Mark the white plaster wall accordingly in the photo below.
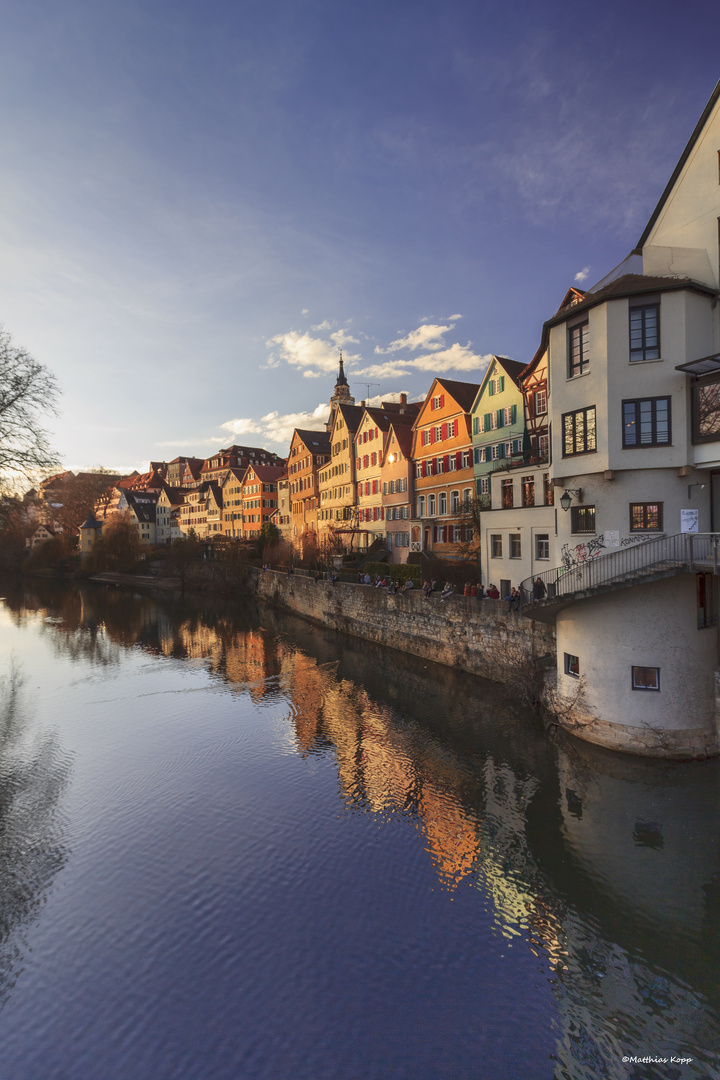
(579, 392)
(651, 626)
(527, 523)
(689, 217)
(612, 499)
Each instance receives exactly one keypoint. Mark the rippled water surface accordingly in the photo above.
(235, 846)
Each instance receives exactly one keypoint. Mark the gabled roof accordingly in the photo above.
(384, 419)
(268, 473)
(235, 474)
(351, 414)
(404, 435)
(463, 392)
(142, 481)
(513, 368)
(572, 296)
(317, 442)
(707, 112)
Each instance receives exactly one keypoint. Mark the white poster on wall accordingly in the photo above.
(689, 521)
(612, 538)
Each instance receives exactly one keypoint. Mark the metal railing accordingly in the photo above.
(629, 565)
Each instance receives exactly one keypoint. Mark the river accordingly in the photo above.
(234, 846)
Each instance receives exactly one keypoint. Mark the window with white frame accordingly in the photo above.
(421, 506)
(454, 502)
(443, 502)
(466, 459)
(431, 505)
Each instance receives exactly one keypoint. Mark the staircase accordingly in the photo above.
(685, 553)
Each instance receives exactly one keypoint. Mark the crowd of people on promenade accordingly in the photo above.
(395, 585)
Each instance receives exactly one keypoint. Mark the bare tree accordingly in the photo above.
(27, 390)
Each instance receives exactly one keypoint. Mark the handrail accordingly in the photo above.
(601, 570)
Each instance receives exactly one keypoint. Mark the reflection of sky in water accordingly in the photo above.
(295, 855)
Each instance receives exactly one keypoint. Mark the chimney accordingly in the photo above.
(403, 399)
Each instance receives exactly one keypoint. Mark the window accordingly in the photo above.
(465, 459)
(578, 350)
(506, 489)
(540, 402)
(705, 602)
(454, 502)
(645, 333)
(443, 502)
(496, 546)
(515, 546)
(542, 546)
(572, 665)
(457, 534)
(483, 485)
(645, 678)
(544, 447)
(528, 491)
(582, 519)
(579, 434)
(646, 422)
(646, 517)
(431, 505)
(438, 433)
(706, 410)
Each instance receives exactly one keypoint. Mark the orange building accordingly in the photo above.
(259, 497)
(309, 451)
(444, 481)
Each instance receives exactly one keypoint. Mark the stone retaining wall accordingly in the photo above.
(456, 632)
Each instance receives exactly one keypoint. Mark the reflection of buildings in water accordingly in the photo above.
(251, 657)
(388, 776)
(304, 682)
(453, 838)
(34, 774)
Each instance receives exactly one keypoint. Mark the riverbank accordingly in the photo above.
(462, 632)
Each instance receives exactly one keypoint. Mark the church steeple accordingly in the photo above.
(342, 395)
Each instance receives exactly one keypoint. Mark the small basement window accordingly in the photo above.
(572, 665)
(646, 678)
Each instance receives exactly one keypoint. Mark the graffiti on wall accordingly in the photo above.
(580, 553)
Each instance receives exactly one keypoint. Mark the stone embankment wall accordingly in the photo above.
(461, 632)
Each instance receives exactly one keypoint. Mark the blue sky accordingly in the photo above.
(203, 202)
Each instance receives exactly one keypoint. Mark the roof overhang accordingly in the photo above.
(706, 365)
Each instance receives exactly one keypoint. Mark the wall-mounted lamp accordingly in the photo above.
(691, 486)
(565, 498)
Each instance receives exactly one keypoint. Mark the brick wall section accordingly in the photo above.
(454, 632)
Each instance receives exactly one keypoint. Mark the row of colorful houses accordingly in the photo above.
(603, 450)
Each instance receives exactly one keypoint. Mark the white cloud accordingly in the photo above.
(456, 357)
(304, 311)
(582, 274)
(314, 354)
(275, 429)
(324, 325)
(427, 336)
